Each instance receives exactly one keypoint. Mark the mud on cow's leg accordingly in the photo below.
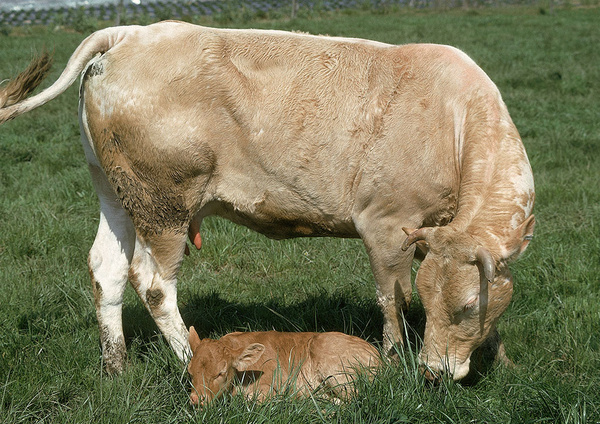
(153, 275)
(108, 261)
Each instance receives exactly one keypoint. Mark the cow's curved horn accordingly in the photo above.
(414, 236)
(487, 262)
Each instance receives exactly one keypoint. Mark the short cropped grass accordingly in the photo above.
(548, 68)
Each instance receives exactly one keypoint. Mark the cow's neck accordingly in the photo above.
(496, 191)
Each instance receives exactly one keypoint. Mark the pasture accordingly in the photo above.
(547, 67)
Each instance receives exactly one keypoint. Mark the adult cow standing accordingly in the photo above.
(298, 135)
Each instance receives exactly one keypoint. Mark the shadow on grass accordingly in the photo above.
(213, 316)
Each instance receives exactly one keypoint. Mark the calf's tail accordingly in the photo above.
(14, 100)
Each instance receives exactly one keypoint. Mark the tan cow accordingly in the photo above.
(262, 364)
(298, 135)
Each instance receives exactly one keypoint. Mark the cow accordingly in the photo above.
(407, 147)
(263, 364)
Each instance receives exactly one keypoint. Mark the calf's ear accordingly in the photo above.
(248, 357)
(194, 339)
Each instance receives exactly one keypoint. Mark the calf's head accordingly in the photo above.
(464, 290)
(214, 365)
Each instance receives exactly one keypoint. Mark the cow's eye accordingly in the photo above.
(471, 304)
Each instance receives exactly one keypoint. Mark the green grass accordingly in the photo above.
(548, 69)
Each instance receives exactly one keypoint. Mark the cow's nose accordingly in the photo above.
(194, 399)
(433, 377)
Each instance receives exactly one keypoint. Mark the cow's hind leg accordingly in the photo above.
(153, 275)
(109, 260)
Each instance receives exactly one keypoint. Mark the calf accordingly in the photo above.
(265, 363)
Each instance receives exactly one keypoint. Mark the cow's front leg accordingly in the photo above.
(153, 275)
(394, 294)
(392, 270)
(109, 260)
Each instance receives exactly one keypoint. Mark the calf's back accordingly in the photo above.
(261, 364)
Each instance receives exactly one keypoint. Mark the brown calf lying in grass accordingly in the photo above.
(261, 364)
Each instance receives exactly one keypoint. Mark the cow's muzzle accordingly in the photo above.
(435, 371)
(196, 400)
(433, 377)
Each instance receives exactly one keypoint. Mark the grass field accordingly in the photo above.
(548, 68)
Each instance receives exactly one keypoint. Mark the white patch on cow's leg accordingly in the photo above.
(108, 261)
(153, 276)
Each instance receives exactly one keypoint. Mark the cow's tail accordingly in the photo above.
(13, 95)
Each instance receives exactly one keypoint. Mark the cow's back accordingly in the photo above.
(284, 133)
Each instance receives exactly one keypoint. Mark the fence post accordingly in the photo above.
(120, 9)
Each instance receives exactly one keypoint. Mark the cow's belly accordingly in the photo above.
(279, 222)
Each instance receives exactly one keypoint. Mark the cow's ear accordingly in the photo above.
(248, 357)
(526, 230)
(194, 339)
(522, 236)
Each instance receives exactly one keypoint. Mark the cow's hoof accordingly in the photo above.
(113, 356)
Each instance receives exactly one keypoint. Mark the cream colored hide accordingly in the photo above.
(263, 364)
(299, 135)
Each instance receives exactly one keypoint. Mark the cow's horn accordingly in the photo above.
(414, 236)
(488, 263)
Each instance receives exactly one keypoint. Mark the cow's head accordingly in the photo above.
(214, 365)
(464, 290)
